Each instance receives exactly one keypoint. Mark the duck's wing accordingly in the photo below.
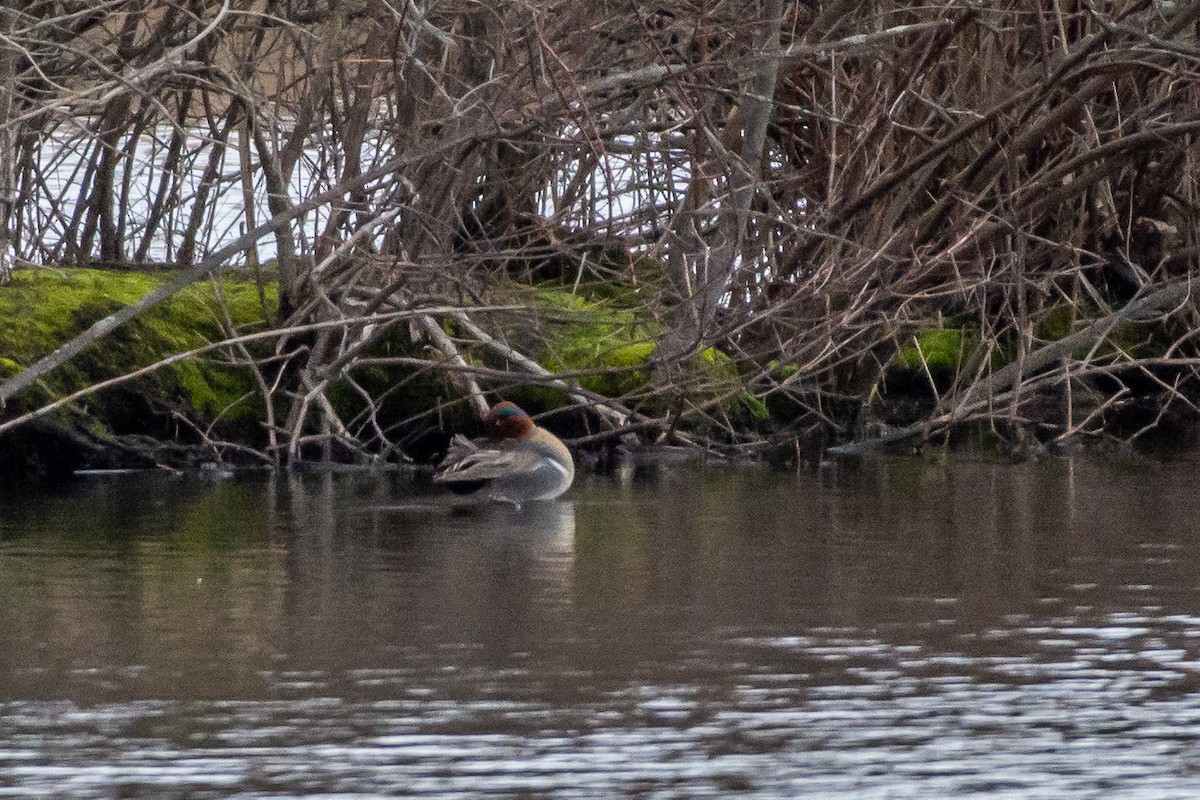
(459, 450)
(466, 461)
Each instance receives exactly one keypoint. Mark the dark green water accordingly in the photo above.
(895, 629)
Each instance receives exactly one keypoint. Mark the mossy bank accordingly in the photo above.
(213, 406)
(43, 308)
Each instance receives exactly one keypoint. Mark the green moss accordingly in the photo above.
(611, 345)
(755, 405)
(581, 335)
(1141, 340)
(600, 336)
(782, 372)
(941, 350)
(45, 308)
(630, 370)
(1056, 324)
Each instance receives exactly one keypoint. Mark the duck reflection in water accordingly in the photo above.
(515, 462)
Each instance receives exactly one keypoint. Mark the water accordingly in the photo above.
(893, 629)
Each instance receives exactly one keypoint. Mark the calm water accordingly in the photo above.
(895, 629)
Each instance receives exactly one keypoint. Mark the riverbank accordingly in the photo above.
(210, 376)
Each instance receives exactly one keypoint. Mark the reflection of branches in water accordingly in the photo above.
(801, 191)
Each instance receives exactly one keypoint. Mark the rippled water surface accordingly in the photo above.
(891, 629)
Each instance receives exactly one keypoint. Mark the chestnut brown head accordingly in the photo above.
(507, 421)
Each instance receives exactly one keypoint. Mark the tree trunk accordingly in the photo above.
(708, 270)
(8, 189)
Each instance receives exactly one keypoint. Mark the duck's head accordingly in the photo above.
(507, 420)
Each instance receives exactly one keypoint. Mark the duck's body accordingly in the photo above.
(515, 462)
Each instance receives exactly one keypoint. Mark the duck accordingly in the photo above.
(515, 462)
